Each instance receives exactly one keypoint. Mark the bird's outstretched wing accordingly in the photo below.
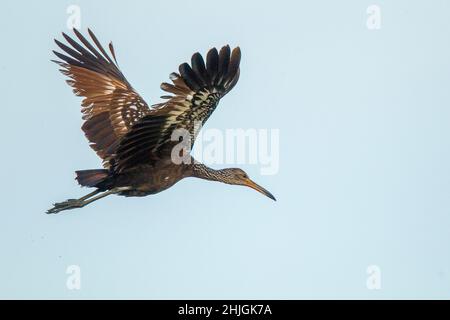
(110, 106)
(196, 91)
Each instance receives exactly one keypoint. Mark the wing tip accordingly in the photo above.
(220, 70)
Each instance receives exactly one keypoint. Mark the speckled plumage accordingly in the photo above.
(133, 139)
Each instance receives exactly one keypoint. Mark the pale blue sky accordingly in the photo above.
(364, 173)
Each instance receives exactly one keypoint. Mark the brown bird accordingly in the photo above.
(136, 141)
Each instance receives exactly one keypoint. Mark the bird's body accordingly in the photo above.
(147, 179)
(137, 142)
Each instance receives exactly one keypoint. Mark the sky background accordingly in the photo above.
(364, 176)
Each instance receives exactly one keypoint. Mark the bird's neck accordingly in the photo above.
(199, 170)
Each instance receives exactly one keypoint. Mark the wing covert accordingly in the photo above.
(194, 94)
(110, 105)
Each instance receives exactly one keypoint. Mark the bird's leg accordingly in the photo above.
(83, 201)
(71, 203)
(93, 193)
(107, 193)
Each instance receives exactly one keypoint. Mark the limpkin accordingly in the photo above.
(134, 140)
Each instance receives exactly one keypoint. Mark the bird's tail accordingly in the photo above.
(91, 178)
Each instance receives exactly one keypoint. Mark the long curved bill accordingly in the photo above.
(257, 187)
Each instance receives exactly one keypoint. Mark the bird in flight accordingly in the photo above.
(135, 141)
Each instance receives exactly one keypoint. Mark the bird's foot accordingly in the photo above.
(65, 205)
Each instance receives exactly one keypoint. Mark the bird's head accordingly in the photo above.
(238, 176)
